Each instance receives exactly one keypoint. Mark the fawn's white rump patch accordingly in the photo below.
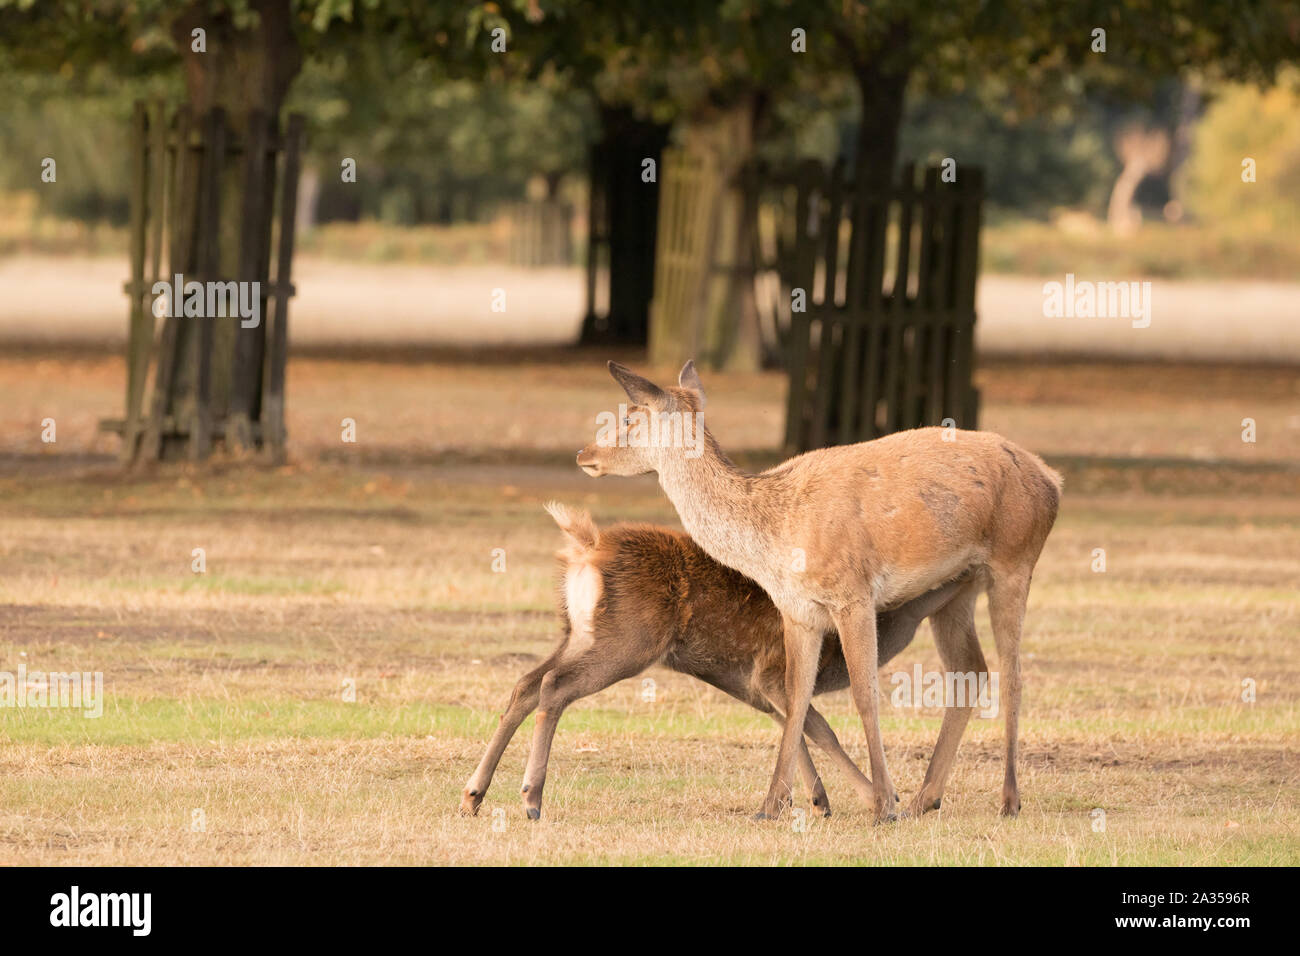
(582, 591)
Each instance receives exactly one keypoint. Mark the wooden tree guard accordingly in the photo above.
(684, 246)
(212, 380)
(541, 233)
(884, 342)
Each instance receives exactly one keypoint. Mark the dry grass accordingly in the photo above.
(435, 405)
(224, 690)
(1157, 250)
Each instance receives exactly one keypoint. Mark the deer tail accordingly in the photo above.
(576, 523)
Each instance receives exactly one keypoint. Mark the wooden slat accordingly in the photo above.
(180, 206)
(138, 344)
(939, 337)
(273, 409)
(876, 222)
(162, 169)
(829, 341)
(960, 401)
(247, 356)
(898, 302)
(810, 183)
(161, 162)
(801, 412)
(854, 315)
(209, 265)
(912, 410)
(796, 434)
(812, 179)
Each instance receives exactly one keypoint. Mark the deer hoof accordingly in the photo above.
(470, 801)
(920, 806)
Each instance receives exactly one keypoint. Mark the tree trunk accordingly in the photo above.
(247, 73)
(876, 147)
(629, 208)
(1142, 150)
(242, 70)
(1122, 214)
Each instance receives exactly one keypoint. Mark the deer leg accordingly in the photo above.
(817, 730)
(522, 701)
(803, 646)
(857, 626)
(811, 778)
(813, 781)
(820, 733)
(1007, 598)
(570, 681)
(959, 649)
(807, 769)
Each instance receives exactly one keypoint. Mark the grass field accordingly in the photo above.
(372, 564)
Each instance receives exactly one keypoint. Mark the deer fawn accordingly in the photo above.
(633, 595)
(835, 535)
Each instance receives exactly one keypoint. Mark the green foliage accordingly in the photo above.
(86, 135)
(412, 90)
(424, 136)
(1032, 162)
(1243, 122)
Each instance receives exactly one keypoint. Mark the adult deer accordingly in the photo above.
(632, 595)
(835, 535)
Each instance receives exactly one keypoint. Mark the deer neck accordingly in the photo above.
(717, 504)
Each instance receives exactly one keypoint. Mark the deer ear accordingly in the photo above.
(640, 390)
(689, 378)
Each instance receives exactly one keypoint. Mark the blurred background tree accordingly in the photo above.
(1243, 122)
(445, 129)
